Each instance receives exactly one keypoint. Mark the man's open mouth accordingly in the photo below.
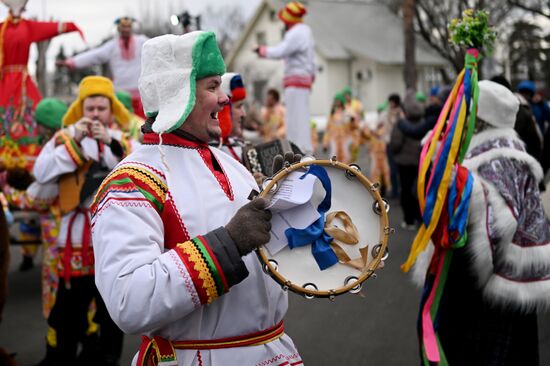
(214, 115)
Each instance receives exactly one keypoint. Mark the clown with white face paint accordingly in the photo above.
(173, 228)
(232, 116)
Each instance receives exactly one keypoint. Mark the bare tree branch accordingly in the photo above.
(537, 7)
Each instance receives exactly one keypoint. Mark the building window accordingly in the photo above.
(261, 38)
(272, 14)
(259, 90)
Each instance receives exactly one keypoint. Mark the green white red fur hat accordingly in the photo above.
(170, 67)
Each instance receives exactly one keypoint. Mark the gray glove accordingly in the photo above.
(279, 162)
(250, 226)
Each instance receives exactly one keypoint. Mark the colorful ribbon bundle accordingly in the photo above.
(444, 201)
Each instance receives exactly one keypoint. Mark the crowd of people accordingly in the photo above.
(147, 219)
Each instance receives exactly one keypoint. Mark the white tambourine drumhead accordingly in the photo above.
(297, 270)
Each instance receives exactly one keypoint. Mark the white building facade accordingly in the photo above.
(357, 45)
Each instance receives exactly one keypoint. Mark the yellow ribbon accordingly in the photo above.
(424, 234)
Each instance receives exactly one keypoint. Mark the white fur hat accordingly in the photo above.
(170, 67)
(497, 105)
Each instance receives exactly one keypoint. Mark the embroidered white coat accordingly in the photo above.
(146, 286)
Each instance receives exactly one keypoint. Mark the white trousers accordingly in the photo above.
(297, 117)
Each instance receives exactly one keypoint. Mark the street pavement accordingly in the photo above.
(377, 329)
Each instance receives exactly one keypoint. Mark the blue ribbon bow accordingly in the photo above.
(315, 233)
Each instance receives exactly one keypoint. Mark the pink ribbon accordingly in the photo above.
(428, 333)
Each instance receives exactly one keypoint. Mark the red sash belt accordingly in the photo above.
(164, 350)
(298, 81)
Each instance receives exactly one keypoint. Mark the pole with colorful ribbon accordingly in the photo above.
(444, 186)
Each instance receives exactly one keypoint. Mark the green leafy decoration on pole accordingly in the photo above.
(473, 31)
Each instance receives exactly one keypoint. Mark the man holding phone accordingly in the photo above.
(78, 158)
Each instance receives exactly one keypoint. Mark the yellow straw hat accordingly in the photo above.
(292, 13)
(96, 85)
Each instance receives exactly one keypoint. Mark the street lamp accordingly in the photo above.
(185, 19)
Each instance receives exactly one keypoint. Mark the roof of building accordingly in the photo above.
(343, 30)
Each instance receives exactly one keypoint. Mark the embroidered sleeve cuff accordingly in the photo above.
(203, 257)
(73, 149)
(227, 254)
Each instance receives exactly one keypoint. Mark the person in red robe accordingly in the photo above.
(18, 92)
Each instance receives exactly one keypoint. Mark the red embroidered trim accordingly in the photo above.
(203, 150)
(287, 359)
(171, 139)
(207, 155)
(216, 263)
(190, 266)
(151, 168)
(199, 357)
(233, 153)
(230, 195)
(188, 282)
(122, 202)
(134, 179)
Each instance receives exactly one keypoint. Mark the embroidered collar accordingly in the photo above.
(173, 139)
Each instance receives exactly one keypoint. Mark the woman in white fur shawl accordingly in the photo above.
(501, 277)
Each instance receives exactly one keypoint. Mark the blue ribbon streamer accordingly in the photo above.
(438, 174)
(440, 168)
(458, 219)
(315, 234)
(468, 87)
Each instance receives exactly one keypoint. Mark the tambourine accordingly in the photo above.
(357, 221)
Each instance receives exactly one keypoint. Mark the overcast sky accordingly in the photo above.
(95, 17)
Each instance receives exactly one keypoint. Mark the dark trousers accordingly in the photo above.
(69, 318)
(409, 201)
